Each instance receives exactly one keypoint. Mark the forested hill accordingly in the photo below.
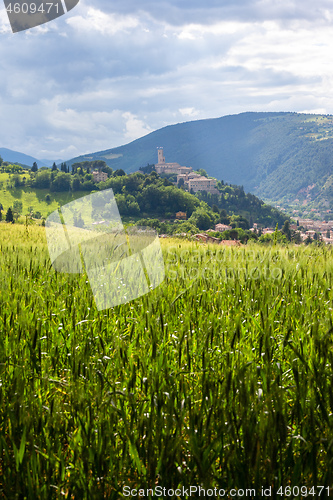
(138, 195)
(273, 155)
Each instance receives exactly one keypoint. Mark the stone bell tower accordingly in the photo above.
(161, 158)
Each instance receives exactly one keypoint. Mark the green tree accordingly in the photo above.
(34, 167)
(42, 180)
(76, 184)
(62, 182)
(121, 203)
(286, 230)
(17, 180)
(181, 183)
(108, 170)
(17, 206)
(9, 215)
(239, 221)
(119, 172)
(133, 208)
(224, 217)
(88, 185)
(233, 233)
(147, 169)
(202, 172)
(296, 237)
(201, 219)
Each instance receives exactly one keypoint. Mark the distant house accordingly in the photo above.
(222, 227)
(99, 176)
(181, 215)
(207, 239)
(200, 236)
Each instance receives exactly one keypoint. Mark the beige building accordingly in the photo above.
(99, 176)
(188, 176)
(181, 215)
(202, 184)
(222, 227)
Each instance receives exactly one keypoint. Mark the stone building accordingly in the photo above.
(169, 168)
(99, 176)
(192, 180)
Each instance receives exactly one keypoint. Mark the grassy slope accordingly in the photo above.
(35, 198)
(220, 377)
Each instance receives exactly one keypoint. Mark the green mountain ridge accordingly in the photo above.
(277, 156)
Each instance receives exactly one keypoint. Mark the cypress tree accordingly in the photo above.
(9, 215)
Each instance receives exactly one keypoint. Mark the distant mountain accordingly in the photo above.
(23, 159)
(277, 156)
(49, 163)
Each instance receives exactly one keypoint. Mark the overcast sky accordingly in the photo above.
(109, 72)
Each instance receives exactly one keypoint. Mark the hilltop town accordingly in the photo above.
(172, 197)
(305, 229)
(193, 181)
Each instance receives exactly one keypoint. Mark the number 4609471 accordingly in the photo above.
(32, 8)
(304, 491)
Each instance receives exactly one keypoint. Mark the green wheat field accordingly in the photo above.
(220, 377)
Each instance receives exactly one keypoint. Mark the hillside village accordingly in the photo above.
(228, 207)
(194, 182)
(306, 233)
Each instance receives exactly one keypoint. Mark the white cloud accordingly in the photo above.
(107, 24)
(189, 112)
(134, 127)
(108, 73)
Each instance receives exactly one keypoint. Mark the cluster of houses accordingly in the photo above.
(322, 230)
(207, 238)
(306, 228)
(192, 180)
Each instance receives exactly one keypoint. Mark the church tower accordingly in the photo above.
(161, 158)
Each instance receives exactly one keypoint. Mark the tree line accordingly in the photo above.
(151, 195)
